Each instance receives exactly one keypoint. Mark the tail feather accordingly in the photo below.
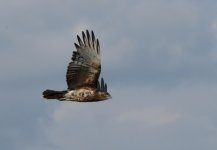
(51, 94)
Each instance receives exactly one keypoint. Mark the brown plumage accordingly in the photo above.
(83, 73)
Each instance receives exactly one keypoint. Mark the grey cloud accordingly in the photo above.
(105, 124)
(158, 57)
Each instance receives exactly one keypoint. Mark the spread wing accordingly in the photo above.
(84, 70)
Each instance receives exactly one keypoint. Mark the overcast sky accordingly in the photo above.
(159, 59)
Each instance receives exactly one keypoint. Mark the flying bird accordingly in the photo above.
(83, 73)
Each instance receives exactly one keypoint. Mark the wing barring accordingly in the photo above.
(85, 68)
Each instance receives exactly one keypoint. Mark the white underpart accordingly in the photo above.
(78, 94)
(69, 95)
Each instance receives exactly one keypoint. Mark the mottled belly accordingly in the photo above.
(79, 95)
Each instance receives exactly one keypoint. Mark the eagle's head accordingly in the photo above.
(102, 95)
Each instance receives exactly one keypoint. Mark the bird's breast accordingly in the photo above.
(79, 94)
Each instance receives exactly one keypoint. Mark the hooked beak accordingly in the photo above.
(109, 96)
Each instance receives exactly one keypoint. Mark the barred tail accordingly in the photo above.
(51, 94)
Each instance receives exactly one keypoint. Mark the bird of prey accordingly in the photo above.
(83, 73)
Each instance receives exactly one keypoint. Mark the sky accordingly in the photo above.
(159, 60)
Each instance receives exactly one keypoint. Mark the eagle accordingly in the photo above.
(83, 73)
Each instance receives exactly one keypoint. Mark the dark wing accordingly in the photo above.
(102, 87)
(84, 70)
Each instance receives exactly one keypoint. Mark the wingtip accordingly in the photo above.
(105, 87)
(98, 46)
(102, 84)
(87, 31)
(76, 45)
(79, 40)
(92, 32)
(83, 35)
(88, 37)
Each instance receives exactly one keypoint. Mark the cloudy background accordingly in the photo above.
(159, 58)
